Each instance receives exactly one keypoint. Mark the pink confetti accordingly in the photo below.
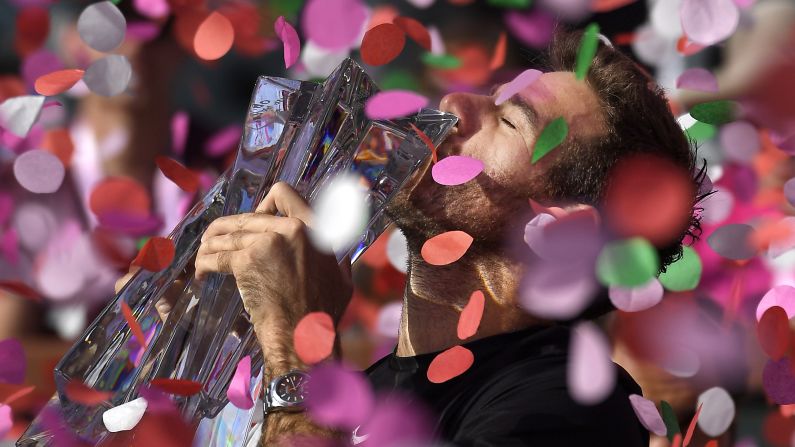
(533, 27)
(782, 295)
(179, 131)
(39, 171)
(6, 207)
(519, 83)
(591, 375)
(9, 246)
(647, 414)
(388, 322)
(557, 290)
(12, 361)
(709, 21)
(6, 420)
(334, 24)
(142, 31)
(153, 9)
(397, 420)
(394, 104)
(39, 64)
(778, 381)
(288, 35)
(697, 79)
(338, 397)
(224, 141)
(568, 10)
(740, 141)
(239, 392)
(636, 299)
(456, 169)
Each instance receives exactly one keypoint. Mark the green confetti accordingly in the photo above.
(701, 131)
(669, 417)
(141, 243)
(553, 134)
(512, 4)
(587, 51)
(400, 80)
(714, 112)
(627, 263)
(287, 8)
(446, 61)
(683, 274)
(115, 2)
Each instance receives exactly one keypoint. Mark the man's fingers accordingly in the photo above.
(220, 262)
(126, 278)
(253, 223)
(282, 198)
(235, 241)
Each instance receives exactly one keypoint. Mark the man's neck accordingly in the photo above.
(436, 295)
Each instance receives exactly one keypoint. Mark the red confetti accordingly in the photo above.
(692, 427)
(180, 387)
(687, 47)
(469, 320)
(677, 441)
(382, 44)
(82, 393)
(446, 248)
(313, 337)
(711, 443)
(609, 5)
(18, 394)
(59, 143)
(119, 195)
(21, 289)
(498, 58)
(624, 39)
(183, 177)
(415, 30)
(138, 333)
(425, 139)
(156, 254)
(57, 82)
(773, 332)
(449, 364)
(32, 26)
(214, 37)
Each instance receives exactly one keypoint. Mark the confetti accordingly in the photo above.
(108, 76)
(687, 47)
(57, 82)
(388, 322)
(628, 263)
(6, 420)
(18, 114)
(609, 5)
(773, 332)
(382, 44)
(425, 139)
(392, 104)
(522, 81)
(179, 132)
(21, 289)
(340, 214)
(647, 414)
(551, 137)
(587, 50)
(32, 28)
(782, 296)
(175, 171)
(120, 195)
(636, 299)
(512, 4)
(12, 361)
(669, 417)
(320, 62)
(557, 290)
(683, 274)
(102, 26)
(692, 427)
(469, 320)
(732, 241)
(717, 411)
(239, 391)
(59, 143)
(590, 374)
(156, 254)
(125, 416)
(334, 24)
(498, 57)
(81, 393)
(19, 393)
(135, 328)
(449, 364)
(313, 337)
(337, 397)
(533, 28)
(714, 112)
(442, 61)
(778, 381)
(665, 19)
(397, 250)
(39, 171)
(214, 37)
(179, 387)
(289, 37)
(708, 22)
(456, 170)
(415, 30)
(6, 207)
(740, 141)
(396, 421)
(223, 141)
(153, 9)
(697, 79)
(446, 248)
(534, 235)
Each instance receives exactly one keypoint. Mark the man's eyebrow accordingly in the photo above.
(527, 110)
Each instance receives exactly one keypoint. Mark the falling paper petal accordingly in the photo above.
(636, 299)
(446, 248)
(669, 417)
(135, 328)
(717, 412)
(18, 394)
(21, 289)
(456, 169)
(773, 332)
(12, 361)
(313, 337)
(81, 393)
(125, 416)
(223, 141)
(533, 27)
(647, 414)
(6, 420)
(289, 37)
(732, 241)
(320, 62)
(179, 387)
(558, 291)
(156, 254)
(715, 112)
(697, 79)
(469, 320)
(382, 44)
(59, 143)
(709, 21)
(691, 428)
(587, 50)
(609, 5)
(425, 139)
(519, 83)
(388, 323)
(153, 9)
(683, 274)
(450, 364)
(18, 114)
(57, 82)
(179, 132)
(551, 137)
(778, 381)
(628, 263)
(415, 30)
(591, 375)
(397, 251)
(394, 104)
(239, 392)
(340, 214)
(498, 57)
(102, 26)
(334, 24)
(740, 141)
(338, 397)
(782, 296)
(214, 37)
(108, 76)
(183, 177)
(39, 171)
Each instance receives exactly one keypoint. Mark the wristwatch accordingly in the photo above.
(286, 392)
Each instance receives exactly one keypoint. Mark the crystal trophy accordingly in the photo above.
(302, 133)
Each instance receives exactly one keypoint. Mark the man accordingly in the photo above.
(515, 393)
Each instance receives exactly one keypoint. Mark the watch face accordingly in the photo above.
(290, 388)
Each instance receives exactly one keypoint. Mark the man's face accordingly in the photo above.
(502, 137)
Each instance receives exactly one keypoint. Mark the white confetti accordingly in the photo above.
(591, 374)
(717, 412)
(397, 251)
(39, 171)
(18, 114)
(125, 416)
(341, 214)
(108, 76)
(320, 62)
(102, 26)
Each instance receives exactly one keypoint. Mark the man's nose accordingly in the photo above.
(469, 108)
